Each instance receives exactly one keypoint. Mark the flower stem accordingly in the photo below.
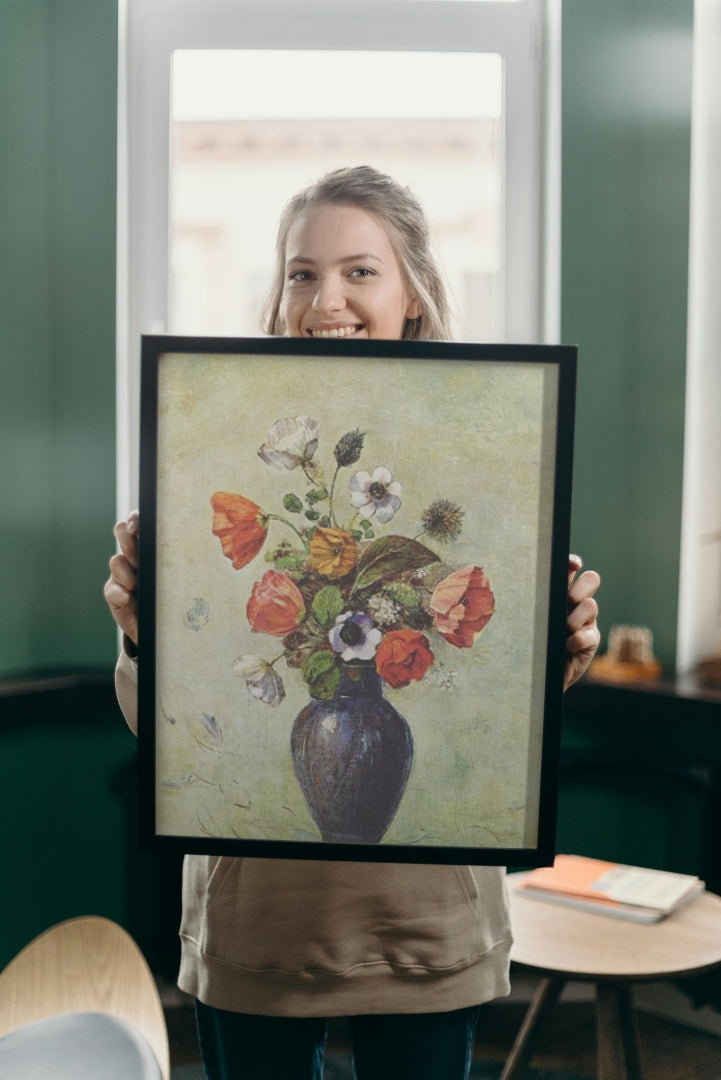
(315, 481)
(330, 496)
(277, 517)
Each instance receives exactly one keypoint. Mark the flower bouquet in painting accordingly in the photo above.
(353, 606)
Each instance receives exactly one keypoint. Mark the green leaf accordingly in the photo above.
(287, 562)
(315, 495)
(312, 515)
(366, 526)
(292, 503)
(327, 605)
(321, 673)
(388, 557)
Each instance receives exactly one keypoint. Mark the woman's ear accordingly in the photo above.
(415, 309)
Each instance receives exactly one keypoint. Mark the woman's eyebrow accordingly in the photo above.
(361, 257)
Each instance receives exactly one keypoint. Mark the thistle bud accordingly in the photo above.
(349, 447)
(443, 520)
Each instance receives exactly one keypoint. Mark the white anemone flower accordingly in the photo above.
(262, 681)
(377, 493)
(291, 442)
(355, 636)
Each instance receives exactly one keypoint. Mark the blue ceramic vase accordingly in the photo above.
(352, 756)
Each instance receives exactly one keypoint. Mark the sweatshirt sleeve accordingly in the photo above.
(126, 688)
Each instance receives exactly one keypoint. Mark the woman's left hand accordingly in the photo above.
(583, 636)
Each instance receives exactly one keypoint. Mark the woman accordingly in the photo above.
(271, 948)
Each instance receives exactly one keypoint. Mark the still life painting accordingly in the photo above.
(350, 597)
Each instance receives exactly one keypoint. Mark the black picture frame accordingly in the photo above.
(334, 467)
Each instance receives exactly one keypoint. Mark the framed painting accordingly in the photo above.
(352, 597)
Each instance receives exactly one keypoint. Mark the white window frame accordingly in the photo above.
(526, 34)
(699, 599)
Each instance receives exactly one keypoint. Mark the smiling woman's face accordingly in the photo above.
(342, 277)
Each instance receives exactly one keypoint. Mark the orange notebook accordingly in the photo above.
(631, 892)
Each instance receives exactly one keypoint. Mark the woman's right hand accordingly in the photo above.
(121, 587)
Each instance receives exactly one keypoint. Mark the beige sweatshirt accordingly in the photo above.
(287, 937)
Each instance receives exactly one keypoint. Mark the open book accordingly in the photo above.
(608, 888)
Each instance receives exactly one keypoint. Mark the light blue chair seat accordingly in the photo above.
(78, 1046)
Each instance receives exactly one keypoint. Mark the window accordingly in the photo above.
(235, 161)
(227, 107)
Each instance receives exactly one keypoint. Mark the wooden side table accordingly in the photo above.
(563, 944)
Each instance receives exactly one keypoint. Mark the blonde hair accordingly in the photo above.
(403, 217)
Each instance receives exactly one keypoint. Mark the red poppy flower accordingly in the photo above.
(462, 603)
(403, 656)
(276, 605)
(240, 525)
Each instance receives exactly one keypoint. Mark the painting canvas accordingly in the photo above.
(352, 596)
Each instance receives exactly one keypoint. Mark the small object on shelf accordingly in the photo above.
(629, 657)
(635, 893)
(709, 670)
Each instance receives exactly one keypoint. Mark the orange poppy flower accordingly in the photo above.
(333, 552)
(462, 603)
(276, 605)
(403, 656)
(240, 525)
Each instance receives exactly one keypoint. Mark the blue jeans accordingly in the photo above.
(414, 1046)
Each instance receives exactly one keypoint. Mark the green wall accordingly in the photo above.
(625, 167)
(58, 72)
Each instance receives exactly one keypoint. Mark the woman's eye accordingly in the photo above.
(300, 276)
(362, 272)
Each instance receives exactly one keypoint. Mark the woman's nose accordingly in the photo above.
(329, 295)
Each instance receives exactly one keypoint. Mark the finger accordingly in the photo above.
(123, 608)
(575, 563)
(583, 641)
(126, 534)
(118, 598)
(584, 613)
(585, 585)
(122, 571)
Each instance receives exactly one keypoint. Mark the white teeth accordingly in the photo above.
(335, 332)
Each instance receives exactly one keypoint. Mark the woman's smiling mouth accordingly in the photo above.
(334, 331)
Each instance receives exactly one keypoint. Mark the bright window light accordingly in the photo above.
(225, 84)
(251, 127)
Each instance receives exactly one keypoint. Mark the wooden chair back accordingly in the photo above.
(86, 964)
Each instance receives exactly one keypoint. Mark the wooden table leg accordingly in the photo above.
(617, 1033)
(545, 997)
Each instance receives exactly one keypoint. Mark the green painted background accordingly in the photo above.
(626, 132)
(625, 168)
(58, 64)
